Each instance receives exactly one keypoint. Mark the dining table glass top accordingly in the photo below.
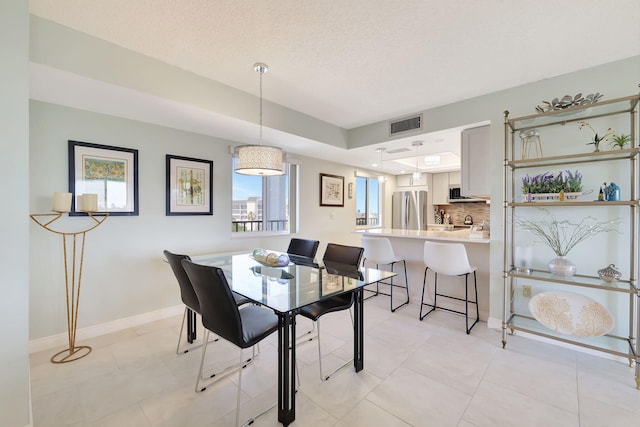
(303, 281)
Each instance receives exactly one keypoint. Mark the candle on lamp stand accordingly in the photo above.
(87, 203)
(61, 202)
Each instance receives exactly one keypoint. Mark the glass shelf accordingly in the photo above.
(601, 156)
(619, 346)
(598, 109)
(574, 203)
(624, 286)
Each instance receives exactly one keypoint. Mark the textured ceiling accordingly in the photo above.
(355, 62)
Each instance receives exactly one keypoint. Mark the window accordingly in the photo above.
(262, 203)
(367, 202)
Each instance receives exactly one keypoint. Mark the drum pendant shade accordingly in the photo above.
(259, 160)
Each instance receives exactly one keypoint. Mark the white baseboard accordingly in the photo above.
(493, 323)
(58, 340)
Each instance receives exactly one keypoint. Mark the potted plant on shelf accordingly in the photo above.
(547, 186)
(563, 235)
(620, 141)
(597, 139)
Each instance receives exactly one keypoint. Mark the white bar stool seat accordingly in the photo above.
(449, 259)
(378, 251)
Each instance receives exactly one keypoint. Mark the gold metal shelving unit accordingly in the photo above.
(622, 346)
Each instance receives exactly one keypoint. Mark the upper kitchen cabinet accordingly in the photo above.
(454, 178)
(407, 180)
(475, 169)
(440, 183)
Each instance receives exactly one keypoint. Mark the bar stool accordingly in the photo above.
(449, 259)
(378, 250)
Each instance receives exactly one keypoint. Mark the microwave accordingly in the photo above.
(455, 194)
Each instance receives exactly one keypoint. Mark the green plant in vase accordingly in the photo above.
(597, 139)
(563, 235)
(620, 141)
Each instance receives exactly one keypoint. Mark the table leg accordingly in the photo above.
(191, 326)
(286, 368)
(358, 330)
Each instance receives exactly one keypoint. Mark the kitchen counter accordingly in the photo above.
(409, 245)
(455, 235)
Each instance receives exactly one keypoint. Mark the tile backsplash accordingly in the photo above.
(479, 211)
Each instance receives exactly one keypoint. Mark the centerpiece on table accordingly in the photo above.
(563, 235)
(565, 185)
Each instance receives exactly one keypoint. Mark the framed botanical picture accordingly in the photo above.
(110, 172)
(189, 186)
(331, 190)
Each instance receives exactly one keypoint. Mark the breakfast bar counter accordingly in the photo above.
(455, 235)
(409, 244)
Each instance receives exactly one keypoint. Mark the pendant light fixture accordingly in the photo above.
(417, 174)
(259, 159)
(381, 178)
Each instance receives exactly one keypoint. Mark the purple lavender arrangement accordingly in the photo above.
(567, 181)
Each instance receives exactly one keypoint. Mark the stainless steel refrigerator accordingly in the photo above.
(409, 210)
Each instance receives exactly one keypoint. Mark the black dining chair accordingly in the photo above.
(188, 296)
(244, 327)
(303, 247)
(345, 261)
(192, 307)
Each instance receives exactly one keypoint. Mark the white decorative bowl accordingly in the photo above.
(571, 314)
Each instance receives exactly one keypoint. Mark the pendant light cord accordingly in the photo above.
(261, 73)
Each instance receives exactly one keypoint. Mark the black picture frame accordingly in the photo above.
(189, 186)
(111, 172)
(331, 190)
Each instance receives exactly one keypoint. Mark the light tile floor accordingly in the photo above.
(427, 373)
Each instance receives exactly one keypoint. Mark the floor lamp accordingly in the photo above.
(73, 251)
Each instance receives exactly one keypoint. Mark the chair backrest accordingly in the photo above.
(446, 258)
(303, 247)
(188, 295)
(218, 308)
(378, 250)
(349, 255)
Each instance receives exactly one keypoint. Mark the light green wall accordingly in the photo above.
(124, 270)
(14, 223)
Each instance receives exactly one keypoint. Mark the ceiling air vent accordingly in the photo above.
(405, 125)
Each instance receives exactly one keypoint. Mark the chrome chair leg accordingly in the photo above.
(239, 394)
(216, 376)
(326, 377)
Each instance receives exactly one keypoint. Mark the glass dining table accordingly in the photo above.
(285, 290)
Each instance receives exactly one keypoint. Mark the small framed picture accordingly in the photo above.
(189, 186)
(109, 172)
(331, 190)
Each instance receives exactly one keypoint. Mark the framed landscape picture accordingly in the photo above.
(331, 190)
(189, 186)
(110, 172)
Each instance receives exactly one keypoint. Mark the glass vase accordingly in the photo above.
(561, 266)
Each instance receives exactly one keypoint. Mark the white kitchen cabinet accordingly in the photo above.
(403, 180)
(476, 172)
(440, 188)
(419, 182)
(408, 181)
(454, 178)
